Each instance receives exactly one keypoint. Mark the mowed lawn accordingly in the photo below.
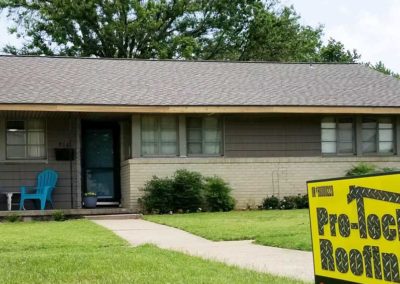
(279, 228)
(80, 251)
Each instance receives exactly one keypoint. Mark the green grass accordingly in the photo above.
(279, 228)
(80, 251)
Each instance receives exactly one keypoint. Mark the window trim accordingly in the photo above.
(377, 140)
(354, 133)
(158, 142)
(26, 158)
(220, 123)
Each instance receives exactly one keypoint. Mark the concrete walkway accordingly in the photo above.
(284, 262)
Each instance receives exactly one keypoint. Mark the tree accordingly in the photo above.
(335, 51)
(183, 29)
(380, 67)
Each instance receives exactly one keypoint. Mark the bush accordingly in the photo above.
(185, 192)
(362, 169)
(188, 191)
(288, 202)
(59, 216)
(158, 196)
(301, 201)
(217, 195)
(271, 203)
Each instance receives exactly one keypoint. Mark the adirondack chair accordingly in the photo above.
(46, 182)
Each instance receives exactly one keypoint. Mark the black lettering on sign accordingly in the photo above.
(374, 226)
(390, 267)
(322, 216)
(367, 253)
(398, 222)
(344, 225)
(342, 260)
(356, 262)
(326, 250)
(387, 221)
(377, 262)
(332, 222)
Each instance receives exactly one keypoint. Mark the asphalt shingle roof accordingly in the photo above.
(46, 80)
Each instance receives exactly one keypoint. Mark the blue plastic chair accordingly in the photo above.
(46, 182)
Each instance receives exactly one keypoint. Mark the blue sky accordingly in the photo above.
(372, 27)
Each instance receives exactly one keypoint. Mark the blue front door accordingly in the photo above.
(100, 160)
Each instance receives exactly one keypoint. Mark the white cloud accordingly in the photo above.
(375, 36)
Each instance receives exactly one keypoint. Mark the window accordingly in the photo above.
(26, 139)
(337, 136)
(377, 135)
(159, 136)
(204, 136)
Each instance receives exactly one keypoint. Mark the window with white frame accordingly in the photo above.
(377, 135)
(337, 136)
(204, 136)
(25, 139)
(159, 136)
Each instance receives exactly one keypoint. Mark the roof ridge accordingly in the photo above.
(178, 60)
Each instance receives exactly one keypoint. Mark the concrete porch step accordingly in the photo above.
(114, 217)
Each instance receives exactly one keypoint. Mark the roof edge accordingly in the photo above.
(177, 60)
(200, 109)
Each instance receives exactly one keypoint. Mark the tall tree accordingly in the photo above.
(187, 29)
(335, 51)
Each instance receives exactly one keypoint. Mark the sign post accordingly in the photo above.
(355, 228)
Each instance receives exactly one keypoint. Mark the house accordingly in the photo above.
(266, 128)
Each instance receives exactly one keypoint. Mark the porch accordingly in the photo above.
(85, 149)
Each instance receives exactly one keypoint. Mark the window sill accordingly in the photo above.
(24, 161)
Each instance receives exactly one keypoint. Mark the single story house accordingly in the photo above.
(266, 128)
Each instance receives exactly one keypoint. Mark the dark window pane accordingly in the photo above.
(194, 148)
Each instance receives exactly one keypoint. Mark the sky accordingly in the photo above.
(372, 27)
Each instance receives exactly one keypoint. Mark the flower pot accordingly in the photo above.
(90, 201)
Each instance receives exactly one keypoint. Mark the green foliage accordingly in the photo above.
(13, 218)
(186, 192)
(271, 203)
(362, 169)
(335, 51)
(368, 169)
(380, 67)
(90, 194)
(288, 202)
(158, 196)
(218, 195)
(183, 29)
(59, 216)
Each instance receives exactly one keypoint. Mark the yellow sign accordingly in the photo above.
(355, 227)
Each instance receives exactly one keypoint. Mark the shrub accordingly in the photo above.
(362, 169)
(271, 203)
(59, 216)
(301, 201)
(217, 195)
(389, 170)
(288, 202)
(158, 196)
(187, 191)
(13, 218)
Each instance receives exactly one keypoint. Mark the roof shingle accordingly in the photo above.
(45, 80)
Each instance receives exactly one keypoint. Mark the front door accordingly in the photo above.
(100, 161)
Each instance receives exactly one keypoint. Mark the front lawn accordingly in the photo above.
(82, 252)
(279, 228)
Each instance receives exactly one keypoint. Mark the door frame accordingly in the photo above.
(115, 127)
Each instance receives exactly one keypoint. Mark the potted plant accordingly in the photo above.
(90, 199)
